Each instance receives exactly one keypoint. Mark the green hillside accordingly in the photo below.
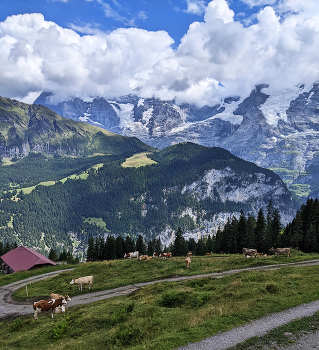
(127, 200)
(44, 146)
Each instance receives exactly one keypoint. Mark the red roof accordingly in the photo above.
(23, 258)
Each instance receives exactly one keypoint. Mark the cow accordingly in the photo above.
(208, 253)
(131, 255)
(49, 305)
(190, 254)
(83, 280)
(281, 251)
(187, 261)
(155, 255)
(166, 255)
(58, 296)
(250, 252)
(144, 257)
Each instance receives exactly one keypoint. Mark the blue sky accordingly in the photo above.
(173, 16)
(194, 51)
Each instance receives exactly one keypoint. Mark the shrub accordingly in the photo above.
(272, 288)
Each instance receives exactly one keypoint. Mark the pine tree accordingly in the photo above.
(250, 229)
(260, 232)
(179, 246)
(201, 248)
(140, 245)
(209, 244)
(89, 252)
(53, 255)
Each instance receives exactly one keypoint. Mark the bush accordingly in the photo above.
(272, 288)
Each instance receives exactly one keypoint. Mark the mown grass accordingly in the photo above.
(166, 315)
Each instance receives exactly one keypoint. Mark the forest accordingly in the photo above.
(262, 234)
(127, 201)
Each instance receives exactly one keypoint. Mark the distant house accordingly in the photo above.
(22, 259)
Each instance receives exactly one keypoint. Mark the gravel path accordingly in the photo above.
(11, 309)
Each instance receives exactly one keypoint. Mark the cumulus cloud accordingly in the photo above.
(217, 57)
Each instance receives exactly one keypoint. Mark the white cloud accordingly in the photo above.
(280, 49)
(253, 3)
(196, 7)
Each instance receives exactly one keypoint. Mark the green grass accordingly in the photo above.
(118, 273)
(95, 221)
(21, 275)
(300, 190)
(166, 314)
(138, 160)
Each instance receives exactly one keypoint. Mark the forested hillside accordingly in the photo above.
(143, 200)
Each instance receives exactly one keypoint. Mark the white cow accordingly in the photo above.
(83, 280)
(131, 255)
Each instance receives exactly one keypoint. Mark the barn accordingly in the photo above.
(22, 259)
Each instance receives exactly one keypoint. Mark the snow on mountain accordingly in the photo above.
(275, 107)
(275, 129)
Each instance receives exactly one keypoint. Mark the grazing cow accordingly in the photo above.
(250, 252)
(83, 280)
(155, 255)
(166, 255)
(281, 251)
(208, 253)
(187, 261)
(131, 255)
(58, 296)
(190, 254)
(48, 305)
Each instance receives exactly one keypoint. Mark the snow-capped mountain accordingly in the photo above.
(278, 130)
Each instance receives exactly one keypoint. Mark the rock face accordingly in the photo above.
(278, 130)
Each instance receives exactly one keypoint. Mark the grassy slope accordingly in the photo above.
(167, 314)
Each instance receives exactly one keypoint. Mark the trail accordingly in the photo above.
(11, 309)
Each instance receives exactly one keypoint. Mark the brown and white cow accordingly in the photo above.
(83, 280)
(187, 261)
(190, 254)
(144, 257)
(250, 252)
(166, 255)
(131, 255)
(49, 305)
(281, 251)
(155, 255)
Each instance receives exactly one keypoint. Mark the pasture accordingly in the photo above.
(164, 315)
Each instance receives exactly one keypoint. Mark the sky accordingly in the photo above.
(193, 51)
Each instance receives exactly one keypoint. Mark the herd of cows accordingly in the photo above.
(57, 303)
(277, 251)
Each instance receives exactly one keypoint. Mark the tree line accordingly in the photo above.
(262, 233)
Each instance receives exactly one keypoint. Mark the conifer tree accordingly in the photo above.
(179, 246)
(119, 247)
(53, 255)
(140, 245)
(260, 232)
(90, 250)
(209, 244)
(201, 248)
